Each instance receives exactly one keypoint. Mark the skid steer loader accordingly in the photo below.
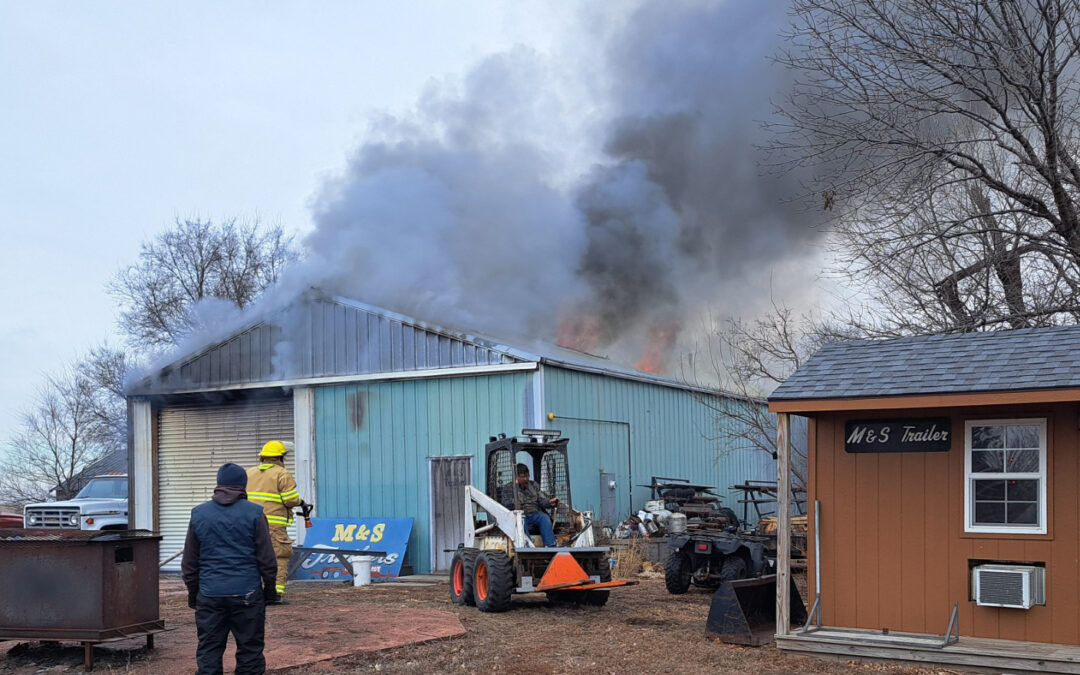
(499, 558)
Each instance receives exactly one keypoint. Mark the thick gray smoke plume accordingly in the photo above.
(686, 212)
(462, 212)
(454, 214)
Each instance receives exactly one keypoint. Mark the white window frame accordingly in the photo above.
(969, 495)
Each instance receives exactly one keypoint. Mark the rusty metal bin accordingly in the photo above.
(77, 585)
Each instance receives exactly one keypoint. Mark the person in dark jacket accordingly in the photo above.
(229, 570)
(525, 495)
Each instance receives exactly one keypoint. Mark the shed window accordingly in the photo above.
(1005, 472)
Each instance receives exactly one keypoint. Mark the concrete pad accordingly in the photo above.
(299, 634)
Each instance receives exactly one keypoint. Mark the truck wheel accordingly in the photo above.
(493, 581)
(677, 572)
(733, 568)
(461, 576)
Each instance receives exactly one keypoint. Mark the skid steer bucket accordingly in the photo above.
(744, 612)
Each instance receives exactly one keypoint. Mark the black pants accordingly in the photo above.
(242, 615)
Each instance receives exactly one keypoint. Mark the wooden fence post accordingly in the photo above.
(783, 529)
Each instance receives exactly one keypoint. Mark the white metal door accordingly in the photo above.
(194, 441)
(449, 476)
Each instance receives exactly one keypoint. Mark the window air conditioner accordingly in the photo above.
(1019, 586)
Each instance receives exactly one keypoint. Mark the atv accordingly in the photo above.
(708, 559)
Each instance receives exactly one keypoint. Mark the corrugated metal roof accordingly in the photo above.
(540, 351)
(336, 336)
(1011, 360)
(319, 338)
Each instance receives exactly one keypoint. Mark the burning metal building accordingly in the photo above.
(383, 408)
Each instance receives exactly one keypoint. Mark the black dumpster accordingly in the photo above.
(80, 586)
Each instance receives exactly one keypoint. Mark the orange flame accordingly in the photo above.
(654, 356)
(582, 332)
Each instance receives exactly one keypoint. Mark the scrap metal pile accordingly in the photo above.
(678, 506)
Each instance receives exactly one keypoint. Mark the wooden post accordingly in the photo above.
(783, 529)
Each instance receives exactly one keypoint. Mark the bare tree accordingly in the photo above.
(105, 368)
(749, 359)
(80, 414)
(62, 433)
(945, 133)
(195, 260)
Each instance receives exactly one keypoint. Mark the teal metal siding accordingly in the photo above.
(638, 430)
(372, 442)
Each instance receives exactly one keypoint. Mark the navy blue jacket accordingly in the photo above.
(228, 549)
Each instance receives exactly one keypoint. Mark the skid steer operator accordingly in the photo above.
(272, 486)
(525, 495)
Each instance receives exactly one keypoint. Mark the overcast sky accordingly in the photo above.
(627, 133)
(118, 117)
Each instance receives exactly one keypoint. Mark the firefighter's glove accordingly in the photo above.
(269, 593)
(191, 598)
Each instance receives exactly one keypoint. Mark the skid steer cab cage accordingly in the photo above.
(499, 556)
(545, 455)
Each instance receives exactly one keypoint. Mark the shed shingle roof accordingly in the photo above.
(1012, 360)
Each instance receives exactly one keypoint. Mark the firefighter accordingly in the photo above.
(272, 486)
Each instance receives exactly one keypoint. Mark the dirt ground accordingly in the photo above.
(642, 630)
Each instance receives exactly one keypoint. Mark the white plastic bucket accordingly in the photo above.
(676, 523)
(361, 570)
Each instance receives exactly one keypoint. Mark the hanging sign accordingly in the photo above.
(929, 434)
(355, 534)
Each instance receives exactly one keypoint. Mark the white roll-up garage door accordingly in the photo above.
(193, 441)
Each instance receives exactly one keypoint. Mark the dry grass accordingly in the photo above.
(629, 555)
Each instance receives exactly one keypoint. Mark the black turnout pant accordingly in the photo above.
(242, 615)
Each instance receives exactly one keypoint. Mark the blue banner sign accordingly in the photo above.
(355, 534)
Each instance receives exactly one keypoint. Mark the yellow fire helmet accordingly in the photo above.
(276, 449)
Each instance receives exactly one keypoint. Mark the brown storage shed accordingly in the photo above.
(945, 470)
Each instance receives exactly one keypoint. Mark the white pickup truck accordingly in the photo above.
(101, 505)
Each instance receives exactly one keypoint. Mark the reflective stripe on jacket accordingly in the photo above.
(272, 486)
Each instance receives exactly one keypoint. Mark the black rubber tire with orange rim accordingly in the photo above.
(461, 576)
(493, 581)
